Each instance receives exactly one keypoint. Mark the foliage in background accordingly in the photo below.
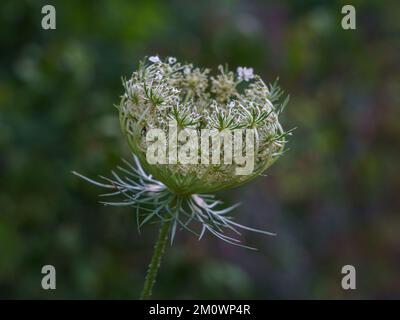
(332, 202)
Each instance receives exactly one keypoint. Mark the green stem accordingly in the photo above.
(155, 262)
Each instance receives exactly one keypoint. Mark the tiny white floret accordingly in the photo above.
(154, 59)
(171, 60)
(158, 75)
(245, 74)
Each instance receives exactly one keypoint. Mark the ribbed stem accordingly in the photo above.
(155, 262)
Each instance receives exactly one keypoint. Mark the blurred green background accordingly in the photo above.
(333, 198)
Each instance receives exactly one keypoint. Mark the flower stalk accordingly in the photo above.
(159, 249)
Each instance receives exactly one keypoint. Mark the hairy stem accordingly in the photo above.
(155, 262)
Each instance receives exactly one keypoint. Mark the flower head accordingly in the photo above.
(160, 92)
(168, 92)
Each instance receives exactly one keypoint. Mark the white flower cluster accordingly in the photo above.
(161, 90)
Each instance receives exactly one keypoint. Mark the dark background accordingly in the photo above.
(333, 198)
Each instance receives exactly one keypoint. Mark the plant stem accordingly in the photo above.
(155, 262)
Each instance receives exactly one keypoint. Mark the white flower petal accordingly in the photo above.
(244, 73)
(154, 59)
(171, 60)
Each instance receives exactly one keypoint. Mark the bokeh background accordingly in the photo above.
(333, 198)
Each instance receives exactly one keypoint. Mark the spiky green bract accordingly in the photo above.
(154, 202)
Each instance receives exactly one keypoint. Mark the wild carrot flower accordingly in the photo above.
(175, 193)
